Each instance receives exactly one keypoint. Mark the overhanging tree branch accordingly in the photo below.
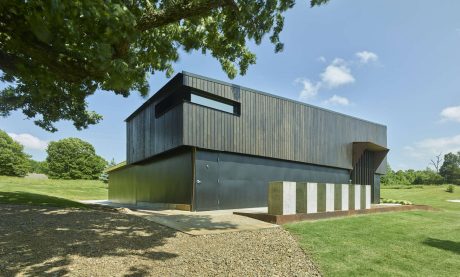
(181, 10)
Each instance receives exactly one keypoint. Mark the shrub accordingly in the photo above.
(73, 158)
(13, 160)
(393, 201)
(450, 188)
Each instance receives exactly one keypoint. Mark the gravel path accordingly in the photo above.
(57, 242)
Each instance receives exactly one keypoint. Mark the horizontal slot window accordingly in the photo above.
(224, 106)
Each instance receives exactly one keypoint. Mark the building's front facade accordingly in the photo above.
(203, 144)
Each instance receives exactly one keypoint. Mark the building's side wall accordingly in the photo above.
(228, 180)
(273, 127)
(166, 179)
(148, 136)
(376, 189)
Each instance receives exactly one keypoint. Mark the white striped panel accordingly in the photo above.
(312, 195)
(344, 197)
(357, 197)
(368, 197)
(329, 197)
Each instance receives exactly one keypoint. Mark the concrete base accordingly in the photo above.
(282, 219)
(196, 223)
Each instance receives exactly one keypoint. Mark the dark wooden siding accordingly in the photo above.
(148, 136)
(269, 126)
(273, 127)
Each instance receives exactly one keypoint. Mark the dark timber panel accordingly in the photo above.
(165, 179)
(269, 126)
(273, 127)
(228, 180)
(148, 136)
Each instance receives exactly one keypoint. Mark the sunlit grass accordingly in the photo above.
(416, 243)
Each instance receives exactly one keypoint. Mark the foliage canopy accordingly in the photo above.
(450, 169)
(54, 54)
(13, 160)
(73, 158)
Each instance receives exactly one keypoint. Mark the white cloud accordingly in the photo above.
(309, 89)
(29, 141)
(337, 100)
(451, 113)
(428, 148)
(366, 57)
(337, 74)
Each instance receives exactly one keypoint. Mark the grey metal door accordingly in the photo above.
(207, 185)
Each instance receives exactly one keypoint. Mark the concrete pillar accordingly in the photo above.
(281, 198)
(321, 200)
(306, 194)
(329, 197)
(312, 200)
(368, 197)
(301, 194)
(357, 197)
(344, 197)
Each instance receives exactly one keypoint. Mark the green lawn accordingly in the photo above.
(416, 243)
(59, 193)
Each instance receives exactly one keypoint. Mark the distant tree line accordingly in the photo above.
(449, 172)
(69, 158)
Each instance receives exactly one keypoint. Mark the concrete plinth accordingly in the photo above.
(282, 198)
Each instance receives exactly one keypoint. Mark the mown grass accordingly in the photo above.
(416, 243)
(47, 192)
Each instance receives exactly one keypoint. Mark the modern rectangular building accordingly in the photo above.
(203, 144)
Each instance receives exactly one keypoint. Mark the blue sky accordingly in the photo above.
(391, 62)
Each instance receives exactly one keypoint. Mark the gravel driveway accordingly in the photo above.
(56, 242)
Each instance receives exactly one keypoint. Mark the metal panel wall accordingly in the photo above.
(228, 180)
(165, 179)
(271, 126)
(375, 194)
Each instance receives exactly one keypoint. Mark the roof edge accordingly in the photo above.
(277, 96)
(157, 94)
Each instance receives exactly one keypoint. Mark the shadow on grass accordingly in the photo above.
(444, 244)
(50, 241)
(26, 198)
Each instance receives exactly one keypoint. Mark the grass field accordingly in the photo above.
(59, 193)
(416, 243)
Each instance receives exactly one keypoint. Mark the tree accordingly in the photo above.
(54, 54)
(105, 176)
(410, 177)
(73, 158)
(436, 162)
(427, 176)
(450, 168)
(13, 160)
(38, 166)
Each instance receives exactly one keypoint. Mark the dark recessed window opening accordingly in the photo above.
(216, 103)
(169, 102)
(196, 97)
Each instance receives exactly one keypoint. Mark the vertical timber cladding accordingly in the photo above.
(270, 126)
(363, 174)
(148, 135)
(231, 180)
(166, 179)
